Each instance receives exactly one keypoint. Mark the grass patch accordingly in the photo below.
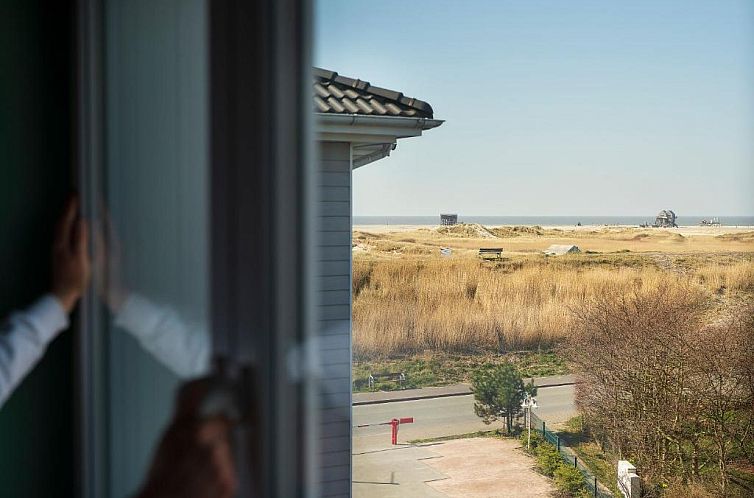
(432, 369)
(497, 433)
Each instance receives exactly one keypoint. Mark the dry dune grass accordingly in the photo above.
(466, 230)
(731, 277)
(737, 237)
(517, 231)
(410, 304)
(408, 299)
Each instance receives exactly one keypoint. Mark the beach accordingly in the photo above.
(686, 231)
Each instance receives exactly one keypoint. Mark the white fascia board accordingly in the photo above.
(369, 129)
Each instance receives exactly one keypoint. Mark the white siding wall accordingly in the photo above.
(334, 293)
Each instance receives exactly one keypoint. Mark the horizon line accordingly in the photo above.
(545, 215)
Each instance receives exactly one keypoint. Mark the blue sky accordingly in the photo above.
(556, 107)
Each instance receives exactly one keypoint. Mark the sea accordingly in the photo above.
(549, 220)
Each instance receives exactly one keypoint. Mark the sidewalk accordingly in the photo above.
(445, 391)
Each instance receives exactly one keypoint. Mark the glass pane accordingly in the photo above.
(153, 225)
(559, 275)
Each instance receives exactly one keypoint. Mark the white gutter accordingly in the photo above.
(327, 118)
(370, 129)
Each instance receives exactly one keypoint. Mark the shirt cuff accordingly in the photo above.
(137, 315)
(48, 316)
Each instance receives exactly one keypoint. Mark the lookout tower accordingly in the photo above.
(666, 219)
(448, 219)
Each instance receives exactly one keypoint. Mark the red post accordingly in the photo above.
(394, 425)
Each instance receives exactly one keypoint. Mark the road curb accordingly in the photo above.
(436, 396)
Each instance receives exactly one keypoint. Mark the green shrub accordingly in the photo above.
(548, 459)
(569, 480)
(536, 440)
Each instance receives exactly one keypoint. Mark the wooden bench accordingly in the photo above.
(491, 253)
(400, 377)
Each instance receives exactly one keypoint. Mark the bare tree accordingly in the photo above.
(664, 380)
(722, 386)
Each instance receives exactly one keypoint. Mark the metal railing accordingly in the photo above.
(595, 488)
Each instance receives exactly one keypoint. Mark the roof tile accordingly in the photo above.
(320, 90)
(366, 108)
(348, 104)
(320, 104)
(394, 109)
(335, 105)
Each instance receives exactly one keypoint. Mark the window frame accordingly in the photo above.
(262, 215)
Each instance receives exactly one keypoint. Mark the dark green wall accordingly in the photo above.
(36, 423)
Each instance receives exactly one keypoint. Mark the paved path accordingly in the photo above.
(394, 471)
(463, 468)
(487, 468)
(381, 470)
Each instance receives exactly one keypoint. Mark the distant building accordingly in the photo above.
(448, 219)
(666, 219)
(559, 250)
(712, 222)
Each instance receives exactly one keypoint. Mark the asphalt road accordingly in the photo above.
(435, 417)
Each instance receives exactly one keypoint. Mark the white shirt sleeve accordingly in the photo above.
(24, 337)
(183, 348)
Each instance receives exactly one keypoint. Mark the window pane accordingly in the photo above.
(154, 222)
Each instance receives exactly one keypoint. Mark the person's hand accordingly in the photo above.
(107, 264)
(70, 261)
(194, 458)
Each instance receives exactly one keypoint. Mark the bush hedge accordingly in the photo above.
(568, 479)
